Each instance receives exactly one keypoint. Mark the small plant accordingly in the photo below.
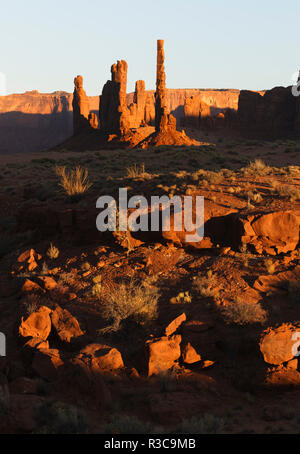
(97, 290)
(270, 265)
(129, 301)
(240, 312)
(85, 266)
(74, 182)
(257, 168)
(206, 424)
(53, 252)
(206, 285)
(32, 303)
(123, 424)
(181, 298)
(135, 171)
(60, 418)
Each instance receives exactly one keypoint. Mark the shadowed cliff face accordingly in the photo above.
(34, 121)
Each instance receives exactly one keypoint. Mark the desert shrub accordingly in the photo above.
(135, 171)
(74, 182)
(240, 312)
(291, 192)
(53, 252)
(32, 303)
(270, 266)
(205, 424)
(294, 291)
(129, 301)
(60, 418)
(85, 266)
(122, 424)
(258, 168)
(97, 290)
(205, 285)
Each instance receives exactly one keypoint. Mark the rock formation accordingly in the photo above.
(270, 116)
(137, 107)
(81, 108)
(116, 117)
(196, 111)
(164, 121)
(297, 114)
(34, 121)
(113, 102)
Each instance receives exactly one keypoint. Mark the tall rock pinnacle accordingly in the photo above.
(163, 119)
(81, 107)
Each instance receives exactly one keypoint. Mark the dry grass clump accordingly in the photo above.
(206, 285)
(240, 312)
(204, 424)
(288, 191)
(136, 171)
(133, 300)
(258, 168)
(75, 182)
(270, 265)
(52, 252)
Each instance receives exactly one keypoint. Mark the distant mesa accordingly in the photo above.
(35, 121)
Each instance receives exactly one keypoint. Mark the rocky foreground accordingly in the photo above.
(143, 332)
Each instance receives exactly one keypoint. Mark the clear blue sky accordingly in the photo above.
(208, 44)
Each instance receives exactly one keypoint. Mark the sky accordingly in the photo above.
(208, 44)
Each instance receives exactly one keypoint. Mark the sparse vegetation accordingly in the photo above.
(123, 424)
(206, 285)
(74, 182)
(257, 168)
(205, 424)
(133, 300)
(136, 171)
(240, 312)
(270, 266)
(53, 252)
(60, 418)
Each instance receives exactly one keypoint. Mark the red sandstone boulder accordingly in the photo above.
(277, 283)
(37, 324)
(48, 282)
(31, 346)
(101, 358)
(46, 363)
(279, 345)
(283, 376)
(174, 325)
(65, 325)
(162, 353)
(190, 355)
(31, 287)
(270, 233)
